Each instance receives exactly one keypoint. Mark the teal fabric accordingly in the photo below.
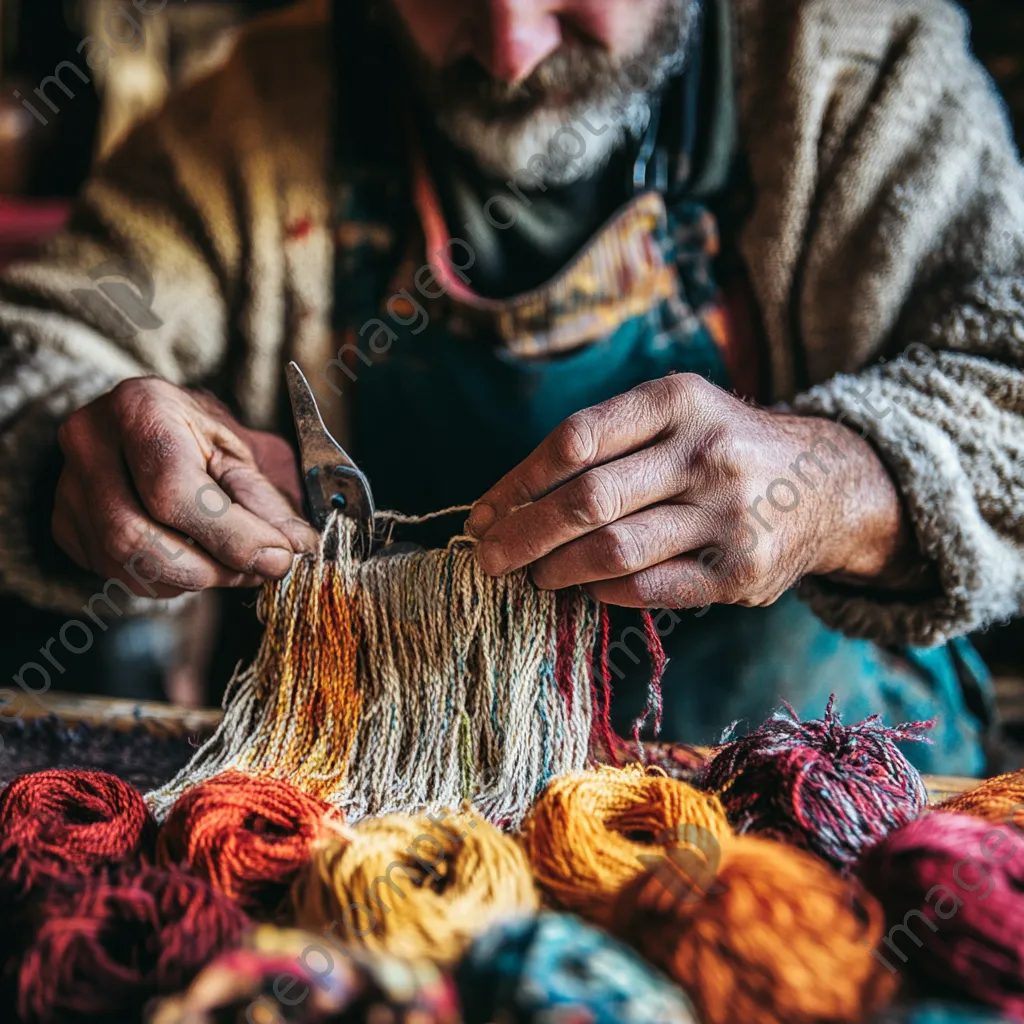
(731, 665)
(438, 419)
(459, 412)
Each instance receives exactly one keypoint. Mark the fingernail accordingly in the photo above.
(481, 518)
(492, 558)
(272, 562)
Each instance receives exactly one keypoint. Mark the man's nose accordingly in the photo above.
(516, 35)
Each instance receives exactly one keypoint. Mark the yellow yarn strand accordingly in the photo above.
(414, 886)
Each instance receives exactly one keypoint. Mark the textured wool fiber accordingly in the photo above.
(999, 799)
(287, 976)
(61, 821)
(957, 882)
(830, 788)
(247, 837)
(591, 833)
(554, 969)
(103, 947)
(409, 682)
(414, 886)
(779, 938)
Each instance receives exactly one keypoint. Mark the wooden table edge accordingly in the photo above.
(170, 719)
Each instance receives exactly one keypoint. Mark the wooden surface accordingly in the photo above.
(169, 719)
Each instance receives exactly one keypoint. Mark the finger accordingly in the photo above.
(586, 439)
(253, 491)
(276, 460)
(626, 547)
(680, 582)
(595, 499)
(122, 542)
(272, 455)
(168, 469)
(63, 525)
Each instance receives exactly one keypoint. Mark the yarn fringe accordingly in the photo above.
(407, 683)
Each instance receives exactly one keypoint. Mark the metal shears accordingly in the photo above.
(331, 479)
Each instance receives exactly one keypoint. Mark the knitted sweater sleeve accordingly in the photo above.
(913, 266)
(141, 282)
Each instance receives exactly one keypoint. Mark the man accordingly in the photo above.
(508, 218)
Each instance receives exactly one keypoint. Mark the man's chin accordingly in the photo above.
(553, 146)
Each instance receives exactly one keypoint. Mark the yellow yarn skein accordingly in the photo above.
(414, 885)
(591, 833)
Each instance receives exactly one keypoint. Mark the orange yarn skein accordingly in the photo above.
(779, 938)
(591, 833)
(999, 799)
(248, 837)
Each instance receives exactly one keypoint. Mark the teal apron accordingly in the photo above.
(451, 398)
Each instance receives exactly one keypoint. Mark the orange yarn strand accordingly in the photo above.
(999, 799)
(591, 833)
(780, 938)
(247, 837)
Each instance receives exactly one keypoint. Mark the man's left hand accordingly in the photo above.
(679, 495)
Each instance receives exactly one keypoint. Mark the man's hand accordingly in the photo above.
(165, 491)
(679, 495)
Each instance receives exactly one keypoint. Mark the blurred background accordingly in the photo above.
(132, 61)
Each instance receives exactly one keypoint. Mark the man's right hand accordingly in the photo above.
(164, 490)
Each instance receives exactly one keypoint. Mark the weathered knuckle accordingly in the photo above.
(575, 442)
(191, 579)
(73, 432)
(731, 510)
(681, 392)
(125, 397)
(747, 573)
(718, 464)
(621, 553)
(596, 499)
(157, 447)
(646, 590)
(239, 552)
(656, 398)
(163, 501)
(117, 545)
(699, 393)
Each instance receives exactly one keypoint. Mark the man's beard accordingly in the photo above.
(579, 88)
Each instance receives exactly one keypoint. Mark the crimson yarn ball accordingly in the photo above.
(247, 836)
(956, 882)
(60, 821)
(102, 946)
(829, 788)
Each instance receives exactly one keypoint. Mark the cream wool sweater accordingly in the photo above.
(889, 211)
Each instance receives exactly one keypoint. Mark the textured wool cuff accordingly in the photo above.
(935, 428)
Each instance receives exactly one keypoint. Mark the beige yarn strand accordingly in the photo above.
(406, 683)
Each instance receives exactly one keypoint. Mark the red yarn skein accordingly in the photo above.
(248, 837)
(57, 821)
(104, 947)
(829, 788)
(956, 884)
